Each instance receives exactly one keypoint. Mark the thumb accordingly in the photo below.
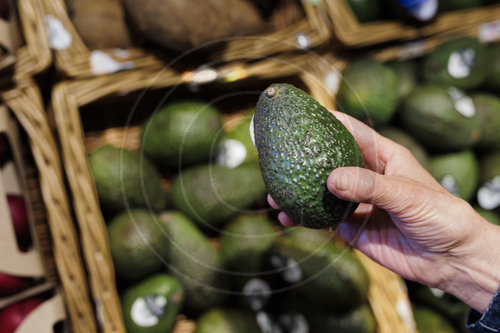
(363, 185)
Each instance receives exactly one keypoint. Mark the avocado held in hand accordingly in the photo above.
(299, 144)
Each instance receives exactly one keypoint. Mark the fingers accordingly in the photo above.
(285, 220)
(272, 203)
(394, 194)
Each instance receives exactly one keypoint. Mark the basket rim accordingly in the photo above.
(351, 33)
(26, 103)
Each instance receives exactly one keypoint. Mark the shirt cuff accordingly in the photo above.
(487, 322)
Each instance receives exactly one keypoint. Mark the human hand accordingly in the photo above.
(410, 224)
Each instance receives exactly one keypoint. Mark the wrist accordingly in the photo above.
(475, 271)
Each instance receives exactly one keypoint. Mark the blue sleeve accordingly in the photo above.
(487, 322)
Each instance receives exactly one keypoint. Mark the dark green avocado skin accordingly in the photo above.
(299, 144)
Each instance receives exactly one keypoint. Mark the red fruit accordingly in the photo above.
(12, 284)
(20, 219)
(13, 315)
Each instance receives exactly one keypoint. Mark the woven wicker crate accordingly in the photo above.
(71, 98)
(73, 59)
(351, 33)
(26, 104)
(32, 55)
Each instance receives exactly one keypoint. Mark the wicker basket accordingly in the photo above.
(29, 46)
(71, 98)
(73, 59)
(34, 56)
(26, 103)
(351, 33)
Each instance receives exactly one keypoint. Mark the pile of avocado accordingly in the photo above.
(191, 234)
(445, 108)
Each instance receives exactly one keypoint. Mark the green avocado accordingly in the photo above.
(225, 320)
(404, 139)
(368, 90)
(461, 62)
(324, 273)
(152, 305)
(457, 172)
(136, 244)
(124, 179)
(299, 144)
(493, 75)
(488, 195)
(429, 321)
(237, 147)
(488, 108)
(406, 73)
(365, 10)
(488, 215)
(441, 117)
(212, 194)
(182, 133)
(194, 261)
(245, 241)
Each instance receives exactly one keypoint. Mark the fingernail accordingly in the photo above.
(343, 181)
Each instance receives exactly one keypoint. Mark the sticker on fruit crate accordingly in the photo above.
(59, 37)
(450, 184)
(332, 82)
(302, 41)
(489, 32)
(413, 50)
(436, 292)
(461, 62)
(232, 153)
(462, 102)
(258, 292)
(488, 196)
(146, 311)
(103, 63)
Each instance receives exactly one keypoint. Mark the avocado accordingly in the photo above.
(365, 10)
(299, 144)
(368, 90)
(404, 139)
(136, 244)
(225, 320)
(325, 273)
(236, 146)
(488, 215)
(441, 117)
(245, 240)
(407, 78)
(457, 172)
(460, 62)
(450, 5)
(488, 108)
(194, 261)
(213, 194)
(446, 305)
(125, 180)
(152, 305)
(429, 321)
(488, 195)
(182, 133)
(493, 75)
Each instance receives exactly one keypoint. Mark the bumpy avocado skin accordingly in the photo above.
(299, 144)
